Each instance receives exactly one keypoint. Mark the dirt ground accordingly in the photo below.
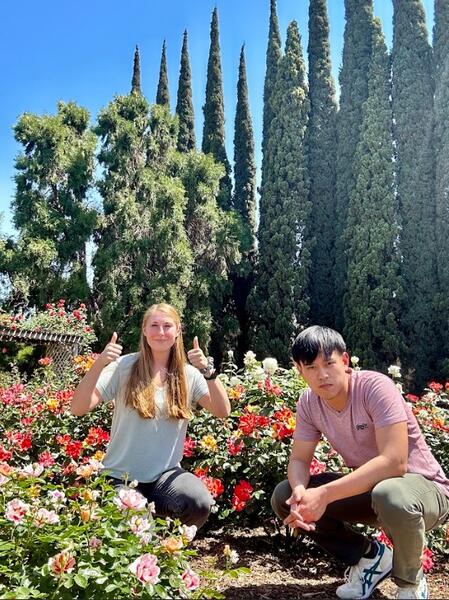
(283, 570)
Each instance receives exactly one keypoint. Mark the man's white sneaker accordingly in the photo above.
(365, 576)
(414, 591)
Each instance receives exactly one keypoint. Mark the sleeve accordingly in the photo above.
(108, 382)
(305, 429)
(198, 386)
(385, 404)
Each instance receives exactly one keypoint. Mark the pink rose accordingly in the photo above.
(130, 499)
(190, 579)
(145, 568)
(16, 510)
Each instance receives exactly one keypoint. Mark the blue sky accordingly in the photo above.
(83, 51)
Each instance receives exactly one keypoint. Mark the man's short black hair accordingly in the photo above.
(315, 340)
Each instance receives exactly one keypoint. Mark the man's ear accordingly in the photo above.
(298, 367)
(346, 360)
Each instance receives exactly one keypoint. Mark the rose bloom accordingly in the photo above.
(44, 516)
(138, 524)
(189, 447)
(172, 545)
(190, 580)
(61, 563)
(127, 499)
(427, 560)
(435, 387)
(95, 543)
(208, 442)
(188, 532)
(16, 510)
(145, 568)
(235, 446)
(46, 459)
(316, 467)
(33, 470)
(270, 365)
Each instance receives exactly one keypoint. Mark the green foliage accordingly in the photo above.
(441, 144)
(272, 59)
(354, 91)
(245, 204)
(412, 109)
(135, 83)
(322, 155)
(162, 94)
(184, 105)
(143, 252)
(51, 214)
(213, 109)
(373, 287)
(214, 237)
(278, 302)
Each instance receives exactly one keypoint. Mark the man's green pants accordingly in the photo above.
(404, 507)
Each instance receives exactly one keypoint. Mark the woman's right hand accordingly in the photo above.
(111, 352)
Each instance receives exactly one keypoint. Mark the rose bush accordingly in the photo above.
(240, 459)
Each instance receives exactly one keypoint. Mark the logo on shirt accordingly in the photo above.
(361, 426)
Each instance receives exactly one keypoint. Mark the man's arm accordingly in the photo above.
(392, 443)
(298, 477)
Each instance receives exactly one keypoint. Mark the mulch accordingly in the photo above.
(283, 568)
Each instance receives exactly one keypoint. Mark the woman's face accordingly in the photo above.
(160, 331)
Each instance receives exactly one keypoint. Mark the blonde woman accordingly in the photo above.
(155, 391)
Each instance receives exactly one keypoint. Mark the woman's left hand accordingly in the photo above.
(196, 355)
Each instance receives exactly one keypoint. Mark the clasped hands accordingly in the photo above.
(306, 507)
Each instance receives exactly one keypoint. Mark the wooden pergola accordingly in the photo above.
(60, 347)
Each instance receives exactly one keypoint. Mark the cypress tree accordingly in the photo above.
(371, 302)
(184, 105)
(272, 59)
(279, 301)
(162, 94)
(213, 109)
(441, 144)
(135, 83)
(321, 144)
(354, 91)
(244, 204)
(412, 111)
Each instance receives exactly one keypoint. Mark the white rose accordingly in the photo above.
(394, 371)
(249, 358)
(355, 360)
(270, 365)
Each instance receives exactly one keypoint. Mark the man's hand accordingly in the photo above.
(111, 352)
(313, 504)
(296, 518)
(196, 355)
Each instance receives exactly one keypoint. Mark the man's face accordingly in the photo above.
(326, 377)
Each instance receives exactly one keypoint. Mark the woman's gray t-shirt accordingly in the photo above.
(141, 448)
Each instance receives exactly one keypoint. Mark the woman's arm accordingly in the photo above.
(86, 396)
(216, 401)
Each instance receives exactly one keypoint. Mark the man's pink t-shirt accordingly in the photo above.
(374, 401)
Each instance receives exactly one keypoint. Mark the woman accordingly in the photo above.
(155, 391)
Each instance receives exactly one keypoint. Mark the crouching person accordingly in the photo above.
(396, 484)
(155, 391)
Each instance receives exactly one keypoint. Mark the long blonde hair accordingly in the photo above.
(140, 388)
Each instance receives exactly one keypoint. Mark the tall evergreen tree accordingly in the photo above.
(213, 109)
(274, 53)
(51, 213)
(135, 83)
(441, 145)
(279, 301)
(184, 105)
(143, 255)
(412, 111)
(162, 94)
(373, 289)
(354, 91)
(321, 144)
(244, 204)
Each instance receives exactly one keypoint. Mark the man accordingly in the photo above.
(396, 483)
